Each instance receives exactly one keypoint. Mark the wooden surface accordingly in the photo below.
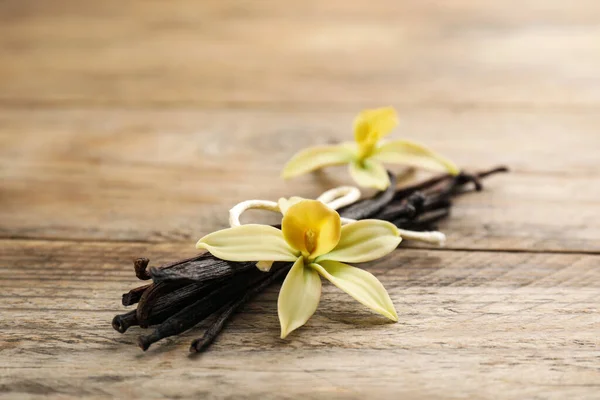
(129, 129)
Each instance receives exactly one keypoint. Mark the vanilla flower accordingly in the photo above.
(312, 236)
(366, 154)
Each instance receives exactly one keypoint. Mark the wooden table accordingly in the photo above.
(130, 128)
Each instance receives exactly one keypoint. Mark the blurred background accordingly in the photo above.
(147, 120)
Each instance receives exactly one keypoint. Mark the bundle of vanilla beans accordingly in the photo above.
(186, 292)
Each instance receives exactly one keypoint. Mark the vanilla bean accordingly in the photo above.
(456, 185)
(436, 203)
(368, 207)
(428, 221)
(435, 192)
(217, 326)
(471, 178)
(149, 298)
(203, 268)
(122, 322)
(178, 262)
(160, 307)
(400, 211)
(139, 266)
(424, 223)
(134, 295)
(407, 208)
(464, 178)
(492, 171)
(193, 314)
(477, 177)
(408, 190)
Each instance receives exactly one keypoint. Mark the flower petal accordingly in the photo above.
(317, 157)
(360, 284)
(363, 241)
(298, 298)
(285, 204)
(370, 174)
(311, 227)
(252, 242)
(372, 125)
(415, 155)
(264, 266)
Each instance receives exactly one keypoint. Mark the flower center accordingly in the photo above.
(367, 146)
(310, 240)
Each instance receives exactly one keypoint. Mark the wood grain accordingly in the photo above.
(471, 324)
(130, 128)
(314, 54)
(172, 175)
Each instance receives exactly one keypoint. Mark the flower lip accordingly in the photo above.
(372, 125)
(312, 228)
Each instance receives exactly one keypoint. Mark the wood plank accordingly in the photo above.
(471, 324)
(149, 175)
(317, 53)
(129, 129)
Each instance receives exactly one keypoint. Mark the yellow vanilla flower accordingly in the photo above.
(366, 154)
(313, 237)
